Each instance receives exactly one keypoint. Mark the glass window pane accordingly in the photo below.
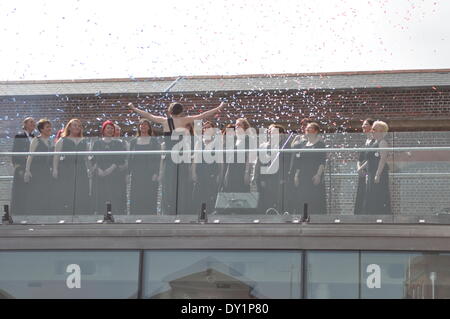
(222, 274)
(69, 274)
(405, 275)
(332, 275)
(385, 275)
(428, 276)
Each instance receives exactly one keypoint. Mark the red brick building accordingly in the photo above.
(410, 100)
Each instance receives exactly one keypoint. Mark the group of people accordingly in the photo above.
(83, 183)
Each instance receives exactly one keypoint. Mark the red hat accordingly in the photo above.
(108, 122)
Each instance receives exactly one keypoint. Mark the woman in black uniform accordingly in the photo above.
(185, 204)
(238, 173)
(378, 197)
(290, 194)
(206, 174)
(309, 168)
(108, 180)
(361, 167)
(38, 171)
(271, 186)
(20, 189)
(144, 170)
(71, 171)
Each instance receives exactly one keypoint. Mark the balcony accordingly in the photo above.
(122, 181)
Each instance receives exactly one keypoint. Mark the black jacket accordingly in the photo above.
(21, 144)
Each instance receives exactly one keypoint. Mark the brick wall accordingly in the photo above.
(335, 109)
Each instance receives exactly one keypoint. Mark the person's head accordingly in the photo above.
(229, 129)
(304, 123)
(312, 129)
(44, 127)
(29, 124)
(208, 128)
(73, 129)
(175, 109)
(144, 128)
(242, 125)
(367, 125)
(117, 130)
(276, 129)
(108, 129)
(379, 129)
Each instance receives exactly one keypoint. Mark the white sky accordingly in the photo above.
(118, 39)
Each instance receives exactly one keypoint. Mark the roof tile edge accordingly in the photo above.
(156, 79)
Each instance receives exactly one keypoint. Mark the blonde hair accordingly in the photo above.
(245, 122)
(66, 131)
(381, 124)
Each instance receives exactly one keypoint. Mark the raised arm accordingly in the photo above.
(151, 117)
(206, 114)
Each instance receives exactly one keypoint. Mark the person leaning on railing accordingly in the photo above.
(377, 197)
(38, 171)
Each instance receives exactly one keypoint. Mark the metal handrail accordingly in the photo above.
(316, 150)
(6, 178)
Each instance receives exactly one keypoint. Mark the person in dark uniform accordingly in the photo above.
(361, 167)
(20, 189)
(309, 168)
(378, 197)
(185, 193)
(290, 194)
(238, 173)
(122, 169)
(144, 171)
(71, 171)
(228, 135)
(38, 172)
(207, 174)
(271, 186)
(107, 184)
(169, 173)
